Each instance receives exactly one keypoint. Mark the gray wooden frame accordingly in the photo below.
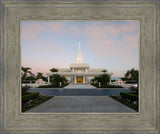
(14, 121)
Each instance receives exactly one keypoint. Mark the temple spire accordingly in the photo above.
(79, 55)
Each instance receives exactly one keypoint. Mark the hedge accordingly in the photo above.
(128, 95)
(46, 86)
(30, 96)
(114, 86)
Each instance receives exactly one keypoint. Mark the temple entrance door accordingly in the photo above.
(79, 79)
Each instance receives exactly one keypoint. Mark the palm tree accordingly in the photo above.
(54, 70)
(104, 71)
(39, 75)
(127, 74)
(132, 74)
(25, 72)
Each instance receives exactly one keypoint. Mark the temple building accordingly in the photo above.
(79, 72)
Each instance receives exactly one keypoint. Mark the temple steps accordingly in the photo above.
(78, 86)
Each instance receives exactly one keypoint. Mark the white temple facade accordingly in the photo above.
(79, 72)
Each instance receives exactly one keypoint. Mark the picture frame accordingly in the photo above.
(146, 120)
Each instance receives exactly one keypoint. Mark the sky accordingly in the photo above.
(113, 45)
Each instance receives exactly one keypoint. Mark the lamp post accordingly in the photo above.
(48, 79)
(60, 84)
(99, 84)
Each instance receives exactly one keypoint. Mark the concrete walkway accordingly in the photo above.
(81, 104)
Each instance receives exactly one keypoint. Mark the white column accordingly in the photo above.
(75, 79)
(110, 81)
(84, 79)
(48, 79)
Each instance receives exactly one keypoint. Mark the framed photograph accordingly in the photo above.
(80, 66)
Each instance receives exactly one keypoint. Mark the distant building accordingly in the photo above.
(78, 72)
(118, 82)
(40, 81)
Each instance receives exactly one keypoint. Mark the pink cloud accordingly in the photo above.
(57, 27)
(97, 31)
(94, 31)
(128, 27)
(105, 50)
(31, 31)
(132, 38)
(50, 46)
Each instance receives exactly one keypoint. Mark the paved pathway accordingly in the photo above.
(81, 104)
(79, 86)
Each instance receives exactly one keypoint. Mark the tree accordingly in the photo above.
(55, 80)
(31, 78)
(54, 70)
(25, 71)
(104, 79)
(104, 71)
(39, 75)
(132, 74)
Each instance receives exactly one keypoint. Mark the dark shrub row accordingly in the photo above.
(46, 86)
(113, 86)
(30, 96)
(128, 95)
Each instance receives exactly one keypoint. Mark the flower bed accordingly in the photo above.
(127, 102)
(30, 96)
(129, 95)
(35, 102)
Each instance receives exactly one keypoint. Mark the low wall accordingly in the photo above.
(124, 85)
(34, 85)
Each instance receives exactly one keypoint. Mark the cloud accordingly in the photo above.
(56, 27)
(132, 38)
(114, 51)
(46, 45)
(108, 30)
(110, 42)
(31, 31)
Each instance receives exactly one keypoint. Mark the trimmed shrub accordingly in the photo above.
(30, 96)
(112, 86)
(56, 79)
(103, 79)
(46, 86)
(130, 96)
